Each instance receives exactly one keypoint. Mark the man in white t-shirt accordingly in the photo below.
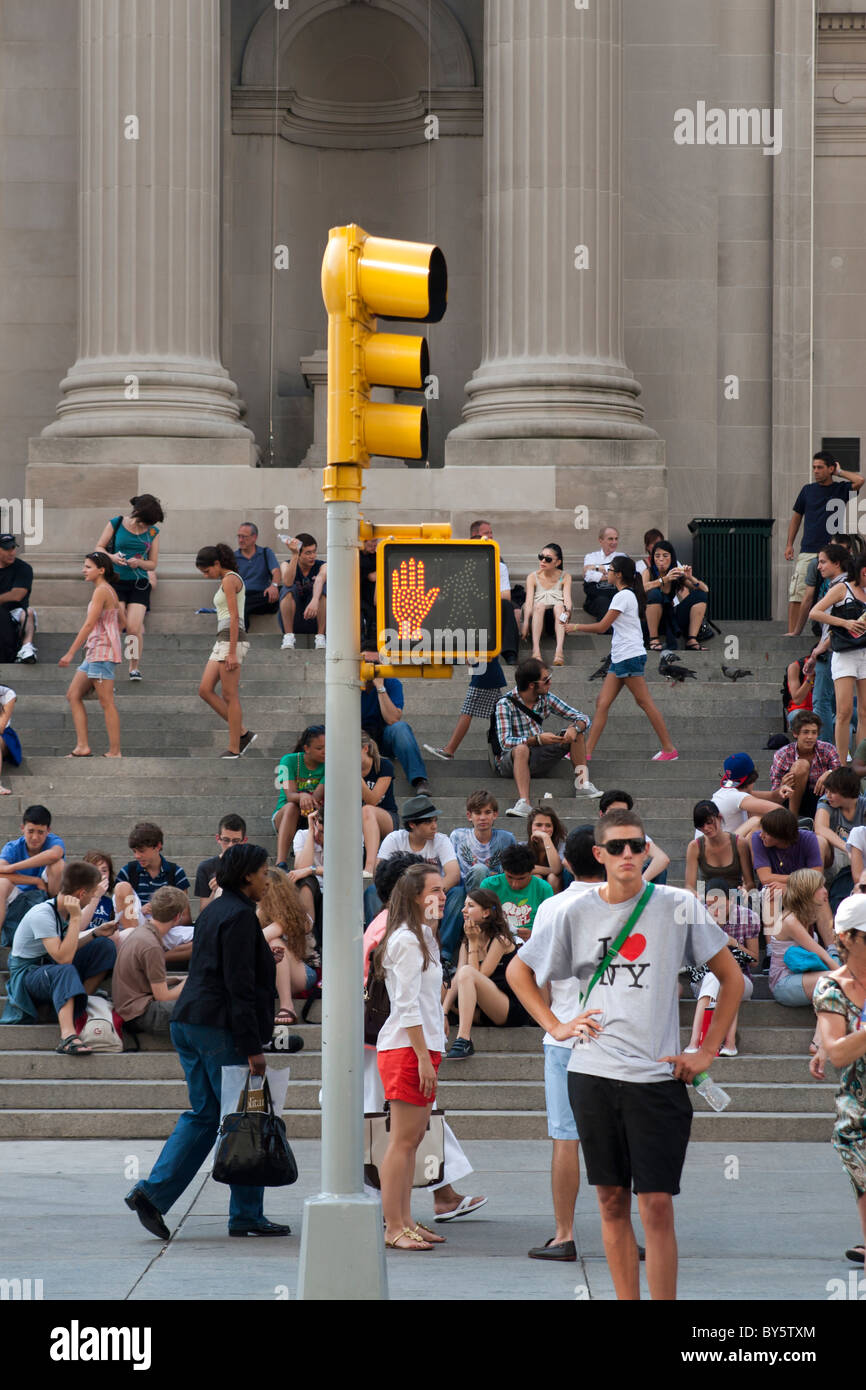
(597, 580)
(741, 808)
(565, 1004)
(627, 1082)
(421, 835)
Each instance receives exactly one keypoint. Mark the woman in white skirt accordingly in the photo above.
(843, 609)
(448, 1204)
(224, 663)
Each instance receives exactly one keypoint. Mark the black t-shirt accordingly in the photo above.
(386, 769)
(18, 575)
(814, 505)
(203, 875)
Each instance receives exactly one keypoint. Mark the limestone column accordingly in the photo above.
(552, 360)
(148, 354)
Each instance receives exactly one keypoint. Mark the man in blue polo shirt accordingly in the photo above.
(258, 568)
(31, 864)
(822, 506)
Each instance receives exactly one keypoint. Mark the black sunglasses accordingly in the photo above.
(617, 847)
(547, 557)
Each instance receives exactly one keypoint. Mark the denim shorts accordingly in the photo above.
(312, 975)
(99, 670)
(560, 1116)
(789, 990)
(632, 666)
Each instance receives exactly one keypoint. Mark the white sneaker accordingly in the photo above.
(321, 642)
(586, 788)
(27, 653)
(520, 808)
(288, 642)
(439, 753)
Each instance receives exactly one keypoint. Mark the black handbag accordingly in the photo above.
(840, 638)
(252, 1148)
(377, 1004)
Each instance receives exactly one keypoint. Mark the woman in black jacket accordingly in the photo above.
(223, 1018)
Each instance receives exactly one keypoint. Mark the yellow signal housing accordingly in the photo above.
(365, 278)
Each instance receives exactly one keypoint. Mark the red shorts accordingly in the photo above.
(398, 1068)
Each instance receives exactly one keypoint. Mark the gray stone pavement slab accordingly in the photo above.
(756, 1222)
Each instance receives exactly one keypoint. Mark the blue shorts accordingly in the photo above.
(560, 1116)
(789, 990)
(99, 670)
(633, 666)
(312, 975)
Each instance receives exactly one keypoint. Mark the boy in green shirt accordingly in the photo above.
(519, 889)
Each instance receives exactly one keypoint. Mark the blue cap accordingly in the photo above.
(738, 767)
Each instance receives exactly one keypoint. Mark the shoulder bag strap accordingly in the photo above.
(644, 899)
(518, 704)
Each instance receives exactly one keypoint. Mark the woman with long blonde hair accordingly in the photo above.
(804, 904)
(411, 1042)
(283, 919)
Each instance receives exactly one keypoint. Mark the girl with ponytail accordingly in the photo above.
(628, 657)
(224, 663)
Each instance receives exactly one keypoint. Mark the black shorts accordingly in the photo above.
(130, 591)
(633, 1134)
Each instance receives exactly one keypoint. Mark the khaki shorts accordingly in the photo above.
(220, 651)
(798, 578)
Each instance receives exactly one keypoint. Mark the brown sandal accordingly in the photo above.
(418, 1243)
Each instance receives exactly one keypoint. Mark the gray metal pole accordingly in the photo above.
(342, 1246)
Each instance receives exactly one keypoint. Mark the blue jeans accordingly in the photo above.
(398, 741)
(451, 929)
(824, 702)
(203, 1053)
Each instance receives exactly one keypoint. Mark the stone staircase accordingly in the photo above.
(171, 773)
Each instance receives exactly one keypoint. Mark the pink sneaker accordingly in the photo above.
(666, 757)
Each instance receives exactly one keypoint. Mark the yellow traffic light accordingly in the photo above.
(365, 278)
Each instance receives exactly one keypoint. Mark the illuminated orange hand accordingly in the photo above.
(410, 602)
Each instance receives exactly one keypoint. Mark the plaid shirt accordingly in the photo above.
(742, 924)
(824, 759)
(514, 727)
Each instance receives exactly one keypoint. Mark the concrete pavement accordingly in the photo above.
(756, 1222)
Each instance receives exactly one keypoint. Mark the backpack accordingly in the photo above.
(17, 911)
(100, 1027)
(494, 747)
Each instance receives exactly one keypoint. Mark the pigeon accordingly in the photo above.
(670, 667)
(602, 670)
(732, 674)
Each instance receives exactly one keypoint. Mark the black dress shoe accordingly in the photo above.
(262, 1227)
(565, 1250)
(149, 1215)
(284, 1041)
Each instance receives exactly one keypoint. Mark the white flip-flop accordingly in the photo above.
(466, 1207)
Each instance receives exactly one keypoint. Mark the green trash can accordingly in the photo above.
(732, 557)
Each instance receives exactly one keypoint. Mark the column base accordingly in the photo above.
(342, 1249)
(552, 401)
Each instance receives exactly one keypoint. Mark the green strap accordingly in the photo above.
(644, 899)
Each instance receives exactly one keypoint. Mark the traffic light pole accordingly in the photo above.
(342, 1246)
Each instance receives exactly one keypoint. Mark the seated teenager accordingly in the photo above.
(717, 854)
(378, 805)
(804, 907)
(421, 835)
(545, 836)
(102, 907)
(56, 961)
(518, 889)
(285, 920)
(676, 602)
(742, 926)
(479, 845)
(779, 849)
(31, 865)
(309, 870)
(299, 773)
(800, 769)
(479, 988)
(140, 989)
(740, 804)
(841, 810)
(232, 830)
(139, 879)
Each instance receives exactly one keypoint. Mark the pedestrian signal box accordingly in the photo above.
(437, 601)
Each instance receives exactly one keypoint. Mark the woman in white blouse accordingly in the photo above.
(411, 1042)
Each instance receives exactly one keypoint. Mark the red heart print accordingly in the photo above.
(633, 946)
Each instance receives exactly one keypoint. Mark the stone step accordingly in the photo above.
(749, 1127)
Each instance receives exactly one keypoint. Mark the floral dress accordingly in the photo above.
(849, 1131)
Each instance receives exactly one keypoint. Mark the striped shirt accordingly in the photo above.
(103, 644)
(514, 726)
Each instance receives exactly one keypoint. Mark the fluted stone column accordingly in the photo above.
(148, 355)
(552, 361)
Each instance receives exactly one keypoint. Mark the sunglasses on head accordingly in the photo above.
(547, 557)
(617, 847)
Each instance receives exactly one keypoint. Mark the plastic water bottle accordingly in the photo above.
(711, 1092)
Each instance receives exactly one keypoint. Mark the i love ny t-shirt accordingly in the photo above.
(637, 994)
